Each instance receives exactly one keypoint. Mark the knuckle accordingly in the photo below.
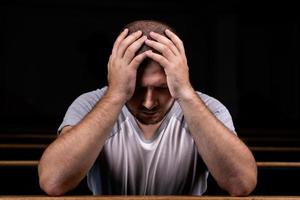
(112, 59)
(130, 50)
(122, 44)
(161, 60)
(164, 48)
(170, 52)
(117, 42)
(134, 63)
(169, 43)
(136, 60)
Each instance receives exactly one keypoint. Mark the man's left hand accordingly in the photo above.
(174, 62)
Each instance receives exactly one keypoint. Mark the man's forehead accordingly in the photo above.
(152, 74)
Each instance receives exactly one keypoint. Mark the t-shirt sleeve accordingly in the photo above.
(80, 107)
(219, 110)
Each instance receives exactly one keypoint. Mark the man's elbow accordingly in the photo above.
(49, 185)
(243, 186)
(240, 191)
(51, 189)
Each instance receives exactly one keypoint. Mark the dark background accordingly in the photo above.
(244, 53)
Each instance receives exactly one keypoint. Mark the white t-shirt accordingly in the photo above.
(168, 164)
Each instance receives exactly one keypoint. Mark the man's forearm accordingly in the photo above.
(227, 158)
(67, 160)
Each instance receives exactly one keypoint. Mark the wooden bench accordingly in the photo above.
(283, 154)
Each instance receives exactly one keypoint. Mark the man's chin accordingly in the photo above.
(149, 120)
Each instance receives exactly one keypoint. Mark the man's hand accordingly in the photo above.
(174, 62)
(123, 64)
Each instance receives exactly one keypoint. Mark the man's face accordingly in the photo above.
(151, 99)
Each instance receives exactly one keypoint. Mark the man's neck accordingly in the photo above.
(149, 130)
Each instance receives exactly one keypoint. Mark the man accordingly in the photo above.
(149, 131)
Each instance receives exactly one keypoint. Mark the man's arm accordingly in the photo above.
(68, 159)
(228, 159)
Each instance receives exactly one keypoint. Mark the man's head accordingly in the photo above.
(146, 26)
(151, 99)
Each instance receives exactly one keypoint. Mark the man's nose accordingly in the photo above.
(149, 101)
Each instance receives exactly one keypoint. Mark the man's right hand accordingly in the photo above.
(123, 65)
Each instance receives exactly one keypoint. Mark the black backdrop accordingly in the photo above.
(245, 55)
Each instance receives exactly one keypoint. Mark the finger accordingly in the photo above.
(118, 40)
(158, 58)
(135, 63)
(176, 40)
(163, 49)
(128, 41)
(164, 40)
(133, 48)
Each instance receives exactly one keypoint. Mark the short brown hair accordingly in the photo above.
(146, 26)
